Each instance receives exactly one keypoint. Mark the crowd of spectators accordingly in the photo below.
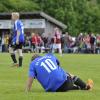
(83, 43)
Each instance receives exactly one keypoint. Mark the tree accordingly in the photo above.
(18, 5)
(78, 15)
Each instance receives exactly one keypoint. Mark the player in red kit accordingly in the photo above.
(57, 41)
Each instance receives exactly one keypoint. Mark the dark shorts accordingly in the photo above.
(17, 46)
(67, 85)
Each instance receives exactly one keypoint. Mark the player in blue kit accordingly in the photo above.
(52, 77)
(17, 39)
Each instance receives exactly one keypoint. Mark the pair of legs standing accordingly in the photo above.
(12, 50)
(57, 47)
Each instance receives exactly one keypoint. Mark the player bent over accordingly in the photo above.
(17, 40)
(52, 77)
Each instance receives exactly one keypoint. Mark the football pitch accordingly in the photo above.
(13, 80)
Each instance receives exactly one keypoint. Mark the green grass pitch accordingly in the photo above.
(13, 80)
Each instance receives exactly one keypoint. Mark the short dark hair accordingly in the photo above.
(34, 56)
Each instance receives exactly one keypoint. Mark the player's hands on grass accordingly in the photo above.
(29, 84)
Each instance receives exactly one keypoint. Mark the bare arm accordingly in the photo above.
(29, 84)
(17, 39)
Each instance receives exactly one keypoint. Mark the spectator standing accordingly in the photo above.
(98, 44)
(92, 42)
(36, 42)
(57, 41)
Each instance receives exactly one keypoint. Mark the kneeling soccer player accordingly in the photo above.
(46, 69)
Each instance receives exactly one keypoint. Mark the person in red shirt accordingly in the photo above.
(36, 42)
(57, 41)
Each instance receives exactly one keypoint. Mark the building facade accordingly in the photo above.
(37, 22)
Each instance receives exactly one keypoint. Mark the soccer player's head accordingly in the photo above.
(34, 56)
(15, 16)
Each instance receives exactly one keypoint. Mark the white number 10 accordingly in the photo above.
(48, 65)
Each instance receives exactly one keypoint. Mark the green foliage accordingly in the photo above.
(18, 5)
(78, 15)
